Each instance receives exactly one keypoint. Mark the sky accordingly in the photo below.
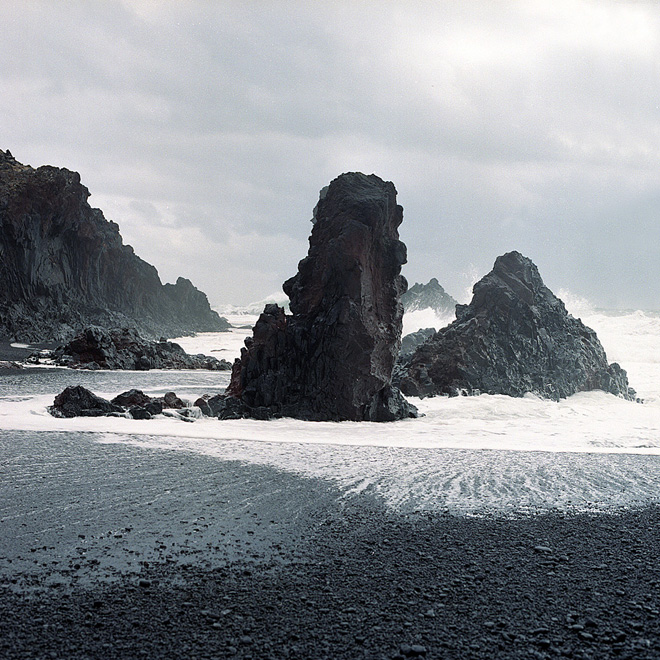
(206, 130)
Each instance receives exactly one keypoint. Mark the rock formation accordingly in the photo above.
(64, 266)
(410, 343)
(332, 358)
(428, 296)
(77, 401)
(124, 348)
(514, 337)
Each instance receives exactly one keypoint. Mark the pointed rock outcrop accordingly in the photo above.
(514, 337)
(428, 296)
(332, 357)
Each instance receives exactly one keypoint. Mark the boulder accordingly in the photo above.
(138, 412)
(124, 348)
(64, 266)
(80, 402)
(131, 398)
(202, 404)
(514, 337)
(332, 357)
(428, 296)
(171, 400)
(77, 401)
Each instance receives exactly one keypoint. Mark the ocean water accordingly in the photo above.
(467, 455)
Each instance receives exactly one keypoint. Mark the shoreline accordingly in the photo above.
(189, 556)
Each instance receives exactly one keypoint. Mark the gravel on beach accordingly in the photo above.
(288, 567)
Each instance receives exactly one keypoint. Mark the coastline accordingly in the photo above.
(261, 563)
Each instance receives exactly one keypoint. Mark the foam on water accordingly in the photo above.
(425, 318)
(466, 453)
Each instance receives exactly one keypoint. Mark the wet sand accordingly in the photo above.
(21, 352)
(110, 551)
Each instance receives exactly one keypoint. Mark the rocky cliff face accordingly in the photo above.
(428, 296)
(514, 337)
(332, 358)
(64, 266)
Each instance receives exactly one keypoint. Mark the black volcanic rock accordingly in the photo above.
(124, 348)
(514, 337)
(64, 266)
(77, 401)
(428, 296)
(332, 358)
(411, 342)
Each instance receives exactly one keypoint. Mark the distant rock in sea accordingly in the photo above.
(514, 337)
(64, 266)
(332, 358)
(428, 296)
(125, 349)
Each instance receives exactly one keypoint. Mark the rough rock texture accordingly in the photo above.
(97, 348)
(428, 296)
(410, 343)
(514, 337)
(64, 266)
(77, 401)
(332, 358)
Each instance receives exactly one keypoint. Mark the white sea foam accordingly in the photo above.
(222, 345)
(425, 318)
(255, 308)
(466, 452)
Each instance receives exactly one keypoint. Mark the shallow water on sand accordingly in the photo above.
(474, 454)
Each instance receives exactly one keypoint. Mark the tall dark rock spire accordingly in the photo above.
(332, 358)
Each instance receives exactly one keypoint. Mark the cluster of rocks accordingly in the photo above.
(64, 266)
(514, 337)
(78, 401)
(125, 349)
(332, 357)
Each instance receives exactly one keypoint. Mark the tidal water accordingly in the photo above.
(466, 455)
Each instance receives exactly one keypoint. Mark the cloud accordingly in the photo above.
(531, 126)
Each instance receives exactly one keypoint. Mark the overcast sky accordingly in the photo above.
(206, 130)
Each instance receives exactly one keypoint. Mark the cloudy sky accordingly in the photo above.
(206, 129)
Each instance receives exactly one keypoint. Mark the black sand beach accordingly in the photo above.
(99, 560)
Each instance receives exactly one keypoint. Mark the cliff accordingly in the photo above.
(63, 266)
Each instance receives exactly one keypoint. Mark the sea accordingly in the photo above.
(478, 455)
